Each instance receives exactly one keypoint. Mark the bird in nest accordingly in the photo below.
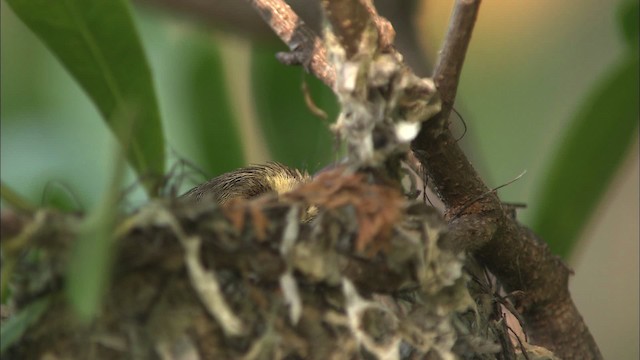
(249, 182)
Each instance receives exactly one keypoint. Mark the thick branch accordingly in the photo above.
(479, 223)
(459, 187)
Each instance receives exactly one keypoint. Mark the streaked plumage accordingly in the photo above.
(249, 182)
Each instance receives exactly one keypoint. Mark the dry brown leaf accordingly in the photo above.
(377, 206)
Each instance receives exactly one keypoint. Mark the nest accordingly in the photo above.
(364, 278)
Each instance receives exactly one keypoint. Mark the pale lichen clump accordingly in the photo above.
(383, 102)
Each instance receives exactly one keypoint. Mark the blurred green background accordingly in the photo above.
(529, 69)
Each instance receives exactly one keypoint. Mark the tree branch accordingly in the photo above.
(300, 39)
(512, 252)
(449, 65)
(239, 17)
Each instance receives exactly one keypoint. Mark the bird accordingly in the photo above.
(249, 182)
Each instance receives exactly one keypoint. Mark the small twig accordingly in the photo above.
(311, 105)
(492, 191)
(386, 32)
(447, 71)
(414, 164)
(522, 348)
(298, 36)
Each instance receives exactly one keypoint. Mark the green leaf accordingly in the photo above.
(294, 135)
(628, 14)
(97, 43)
(214, 125)
(13, 328)
(595, 144)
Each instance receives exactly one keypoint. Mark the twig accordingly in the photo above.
(523, 350)
(494, 190)
(446, 76)
(239, 17)
(447, 71)
(300, 39)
